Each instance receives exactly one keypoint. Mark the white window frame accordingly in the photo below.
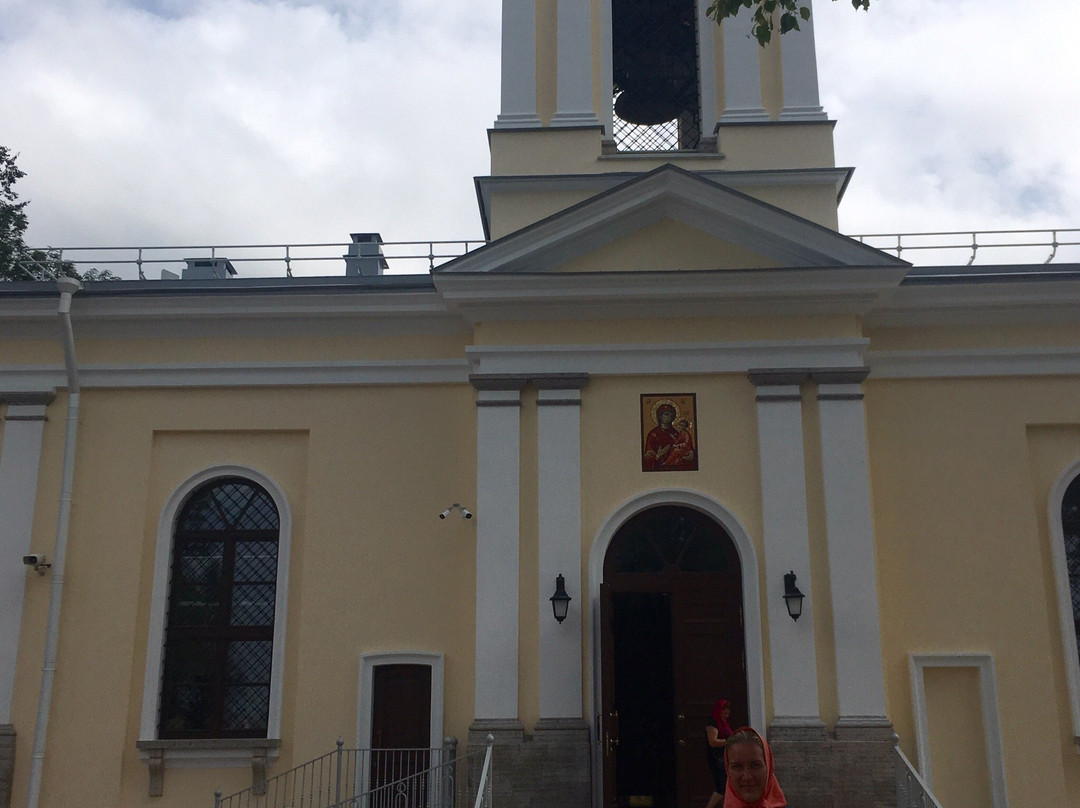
(212, 754)
(1064, 597)
(995, 755)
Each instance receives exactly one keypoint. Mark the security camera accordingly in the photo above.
(457, 506)
(37, 561)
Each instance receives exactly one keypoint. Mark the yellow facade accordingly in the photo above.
(902, 439)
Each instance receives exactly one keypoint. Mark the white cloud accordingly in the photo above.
(237, 121)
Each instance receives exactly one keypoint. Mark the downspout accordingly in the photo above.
(67, 287)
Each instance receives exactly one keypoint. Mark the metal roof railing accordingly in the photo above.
(952, 247)
(947, 248)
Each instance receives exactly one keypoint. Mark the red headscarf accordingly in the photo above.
(771, 797)
(722, 726)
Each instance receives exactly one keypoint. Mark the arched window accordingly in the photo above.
(1070, 529)
(219, 633)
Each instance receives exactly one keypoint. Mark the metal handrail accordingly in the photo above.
(321, 259)
(483, 787)
(911, 789)
(361, 778)
(970, 242)
(252, 260)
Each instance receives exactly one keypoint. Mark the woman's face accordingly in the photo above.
(726, 712)
(747, 771)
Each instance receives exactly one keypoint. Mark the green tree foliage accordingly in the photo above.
(17, 261)
(769, 15)
(13, 219)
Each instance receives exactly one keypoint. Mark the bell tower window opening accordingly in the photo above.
(656, 92)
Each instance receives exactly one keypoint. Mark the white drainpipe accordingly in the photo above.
(68, 287)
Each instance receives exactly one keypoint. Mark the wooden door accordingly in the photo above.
(707, 640)
(400, 735)
(671, 644)
(639, 741)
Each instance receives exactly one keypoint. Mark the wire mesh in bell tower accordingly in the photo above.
(656, 92)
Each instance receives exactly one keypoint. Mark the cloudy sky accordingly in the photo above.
(271, 121)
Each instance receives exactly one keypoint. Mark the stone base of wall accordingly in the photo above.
(852, 767)
(7, 763)
(548, 769)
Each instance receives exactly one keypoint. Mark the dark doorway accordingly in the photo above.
(671, 612)
(400, 735)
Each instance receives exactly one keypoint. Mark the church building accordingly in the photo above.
(666, 437)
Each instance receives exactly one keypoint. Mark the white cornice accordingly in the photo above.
(14, 379)
(969, 363)
(671, 293)
(1029, 294)
(659, 359)
(223, 312)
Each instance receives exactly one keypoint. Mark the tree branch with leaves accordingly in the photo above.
(769, 15)
(17, 261)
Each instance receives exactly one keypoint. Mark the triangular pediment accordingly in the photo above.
(669, 219)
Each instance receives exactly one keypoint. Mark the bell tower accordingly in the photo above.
(619, 87)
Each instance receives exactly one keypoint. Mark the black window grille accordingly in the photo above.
(656, 93)
(220, 627)
(1070, 527)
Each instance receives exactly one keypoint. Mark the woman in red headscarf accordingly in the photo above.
(717, 730)
(751, 782)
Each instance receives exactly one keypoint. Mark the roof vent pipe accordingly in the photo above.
(365, 256)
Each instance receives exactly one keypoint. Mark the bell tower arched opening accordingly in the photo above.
(656, 89)
(672, 643)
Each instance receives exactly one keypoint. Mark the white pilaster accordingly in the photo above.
(799, 66)
(497, 513)
(742, 75)
(706, 31)
(852, 575)
(559, 488)
(19, 461)
(574, 103)
(787, 547)
(518, 101)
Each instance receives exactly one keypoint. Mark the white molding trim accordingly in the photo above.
(974, 362)
(752, 629)
(995, 757)
(370, 661)
(677, 358)
(1064, 596)
(29, 378)
(159, 601)
(21, 435)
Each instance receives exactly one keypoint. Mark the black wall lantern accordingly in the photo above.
(560, 601)
(792, 596)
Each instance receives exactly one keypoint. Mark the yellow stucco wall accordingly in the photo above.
(372, 568)
(961, 473)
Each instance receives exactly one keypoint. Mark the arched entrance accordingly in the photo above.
(673, 642)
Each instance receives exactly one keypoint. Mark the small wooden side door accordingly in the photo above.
(400, 735)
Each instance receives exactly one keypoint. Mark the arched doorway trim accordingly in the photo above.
(755, 671)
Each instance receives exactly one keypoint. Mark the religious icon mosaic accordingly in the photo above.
(669, 439)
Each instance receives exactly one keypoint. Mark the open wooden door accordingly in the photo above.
(671, 644)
